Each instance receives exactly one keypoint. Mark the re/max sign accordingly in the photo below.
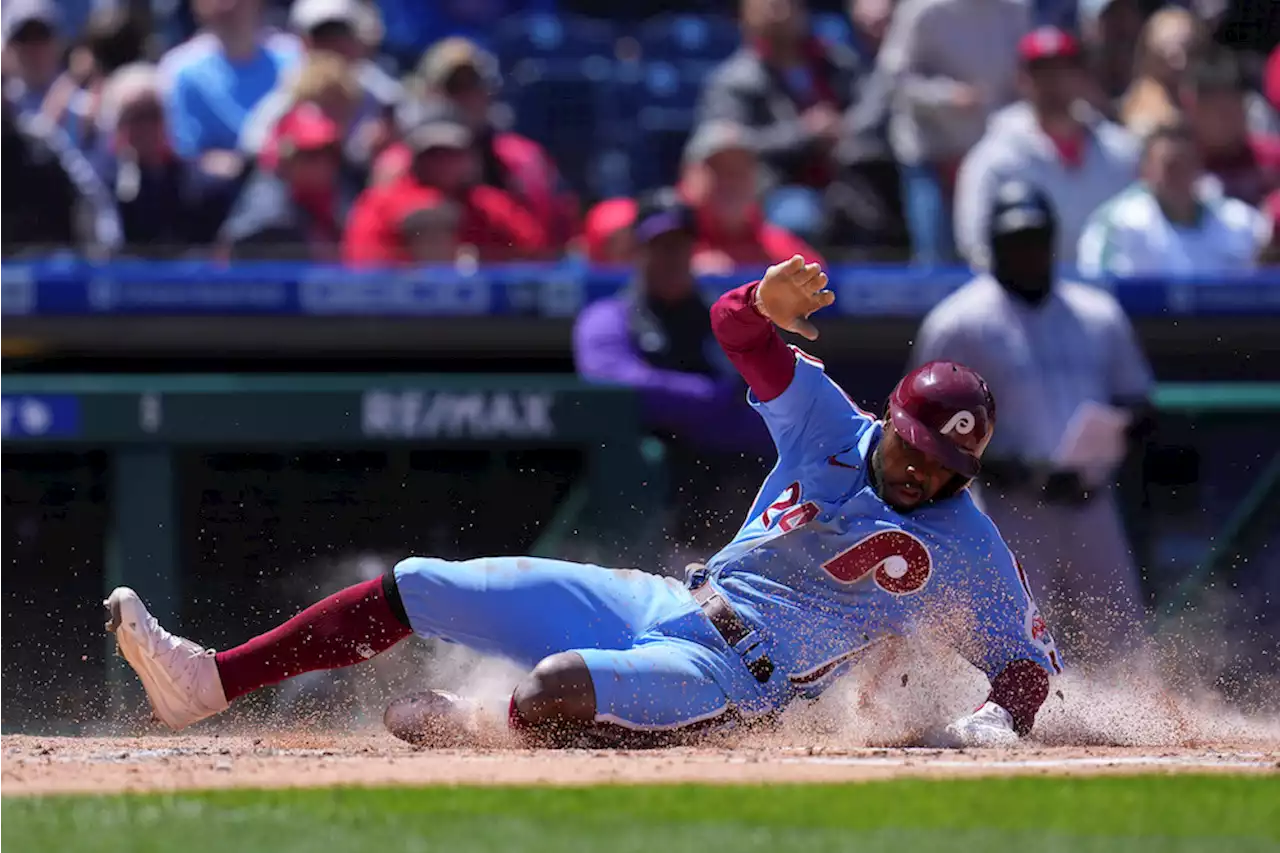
(452, 414)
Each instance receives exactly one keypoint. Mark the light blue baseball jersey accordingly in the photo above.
(821, 570)
(825, 568)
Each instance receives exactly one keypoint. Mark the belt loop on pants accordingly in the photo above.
(732, 628)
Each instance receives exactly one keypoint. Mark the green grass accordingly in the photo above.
(1032, 814)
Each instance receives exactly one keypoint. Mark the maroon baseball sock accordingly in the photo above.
(344, 629)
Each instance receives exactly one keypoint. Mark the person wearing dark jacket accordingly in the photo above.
(52, 199)
(655, 336)
(794, 92)
(167, 206)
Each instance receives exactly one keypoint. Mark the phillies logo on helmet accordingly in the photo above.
(962, 422)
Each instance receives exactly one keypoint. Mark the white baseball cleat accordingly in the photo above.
(989, 727)
(181, 677)
(434, 718)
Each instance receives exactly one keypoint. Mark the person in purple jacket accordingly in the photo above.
(655, 336)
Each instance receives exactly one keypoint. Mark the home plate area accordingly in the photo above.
(40, 765)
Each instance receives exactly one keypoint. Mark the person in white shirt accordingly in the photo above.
(1052, 350)
(1172, 222)
(1054, 140)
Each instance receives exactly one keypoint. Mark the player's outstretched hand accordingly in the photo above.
(790, 292)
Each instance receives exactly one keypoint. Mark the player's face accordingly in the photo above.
(905, 477)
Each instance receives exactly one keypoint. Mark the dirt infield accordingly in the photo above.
(1122, 723)
(39, 765)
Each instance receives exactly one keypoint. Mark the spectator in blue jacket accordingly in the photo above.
(218, 77)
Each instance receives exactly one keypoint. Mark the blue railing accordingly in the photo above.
(51, 288)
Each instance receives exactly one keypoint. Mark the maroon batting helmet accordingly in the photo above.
(945, 410)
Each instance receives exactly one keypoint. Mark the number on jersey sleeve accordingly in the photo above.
(787, 512)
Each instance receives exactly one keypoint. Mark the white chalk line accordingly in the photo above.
(1210, 761)
(917, 759)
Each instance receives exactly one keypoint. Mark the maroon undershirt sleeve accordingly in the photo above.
(752, 343)
(1020, 688)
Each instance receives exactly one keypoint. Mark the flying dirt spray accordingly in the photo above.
(901, 692)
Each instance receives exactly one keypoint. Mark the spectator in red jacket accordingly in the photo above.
(445, 166)
(1214, 99)
(720, 180)
(457, 71)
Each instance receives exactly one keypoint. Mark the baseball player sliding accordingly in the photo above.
(864, 529)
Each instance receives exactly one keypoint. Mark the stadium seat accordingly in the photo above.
(833, 27)
(675, 37)
(546, 36)
(654, 107)
(558, 103)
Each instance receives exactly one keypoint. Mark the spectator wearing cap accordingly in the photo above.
(295, 210)
(458, 71)
(953, 63)
(166, 205)
(446, 163)
(1052, 140)
(330, 28)
(327, 81)
(1214, 98)
(720, 180)
(218, 78)
(796, 94)
(1167, 225)
(33, 65)
(655, 336)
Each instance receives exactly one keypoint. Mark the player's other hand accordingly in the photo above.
(988, 727)
(790, 292)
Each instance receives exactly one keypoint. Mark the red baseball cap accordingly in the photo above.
(1048, 43)
(306, 129)
(605, 219)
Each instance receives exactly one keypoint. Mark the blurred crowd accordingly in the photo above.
(488, 130)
